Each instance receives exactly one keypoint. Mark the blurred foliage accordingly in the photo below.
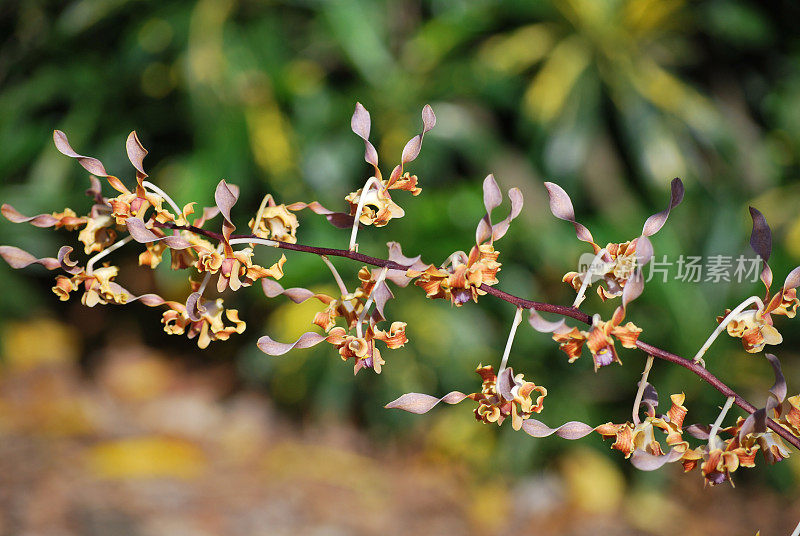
(610, 99)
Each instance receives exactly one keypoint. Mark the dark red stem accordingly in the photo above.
(570, 312)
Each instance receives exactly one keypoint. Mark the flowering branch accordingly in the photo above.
(352, 320)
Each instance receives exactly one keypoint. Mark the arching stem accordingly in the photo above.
(361, 200)
(698, 358)
(162, 193)
(113, 247)
(587, 278)
(510, 341)
(712, 435)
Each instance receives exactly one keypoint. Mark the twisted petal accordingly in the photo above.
(645, 461)
(420, 403)
(40, 220)
(761, 242)
(570, 430)
(655, 222)
(297, 294)
(140, 233)
(306, 340)
(67, 264)
(412, 148)
(136, 153)
(360, 124)
(545, 326)
(757, 421)
(342, 220)
(18, 258)
(92, 165)
(561, 207)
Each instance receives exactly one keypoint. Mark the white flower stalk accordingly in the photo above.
(510, 341)
(587, 275)
(361, 201)
(712, 435)
(698, 358)
(114, 247)
(155, 189)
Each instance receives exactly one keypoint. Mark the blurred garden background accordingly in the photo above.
(110, 426)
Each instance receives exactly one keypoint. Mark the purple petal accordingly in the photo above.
(420, 403)
(649, 462)
(633, 288)
(499, 230)
(505, 382)
(18, 258)
(136, 153)
(67, 264)
(225, 198)
(571, 430)
(792, 280)
(561, 207)
(761, 242)
(306, 340)
(655, 222)
(92, 165)
(545, 326)
(40, 220)
(139, 231)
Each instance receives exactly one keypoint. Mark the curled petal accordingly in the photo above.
(545, 326)
(92, 165)
(150, 300)
(411, 150)
(143, 235)
(505, 382)
(792, 280)
(644, 250)
(420, 403)
(699, 431)
(40, 220)
(18, 258)
(67, 264)
(492, 197)
(399, 277)
(761, 242)
(571, 430)
(95, 190)
(298, 295)
(499, 230)
(306, 340)
(757, 421)
(645, 461)
(342, 220)
(136, 153)
(360, 124)
(655, 222)
(561, 207)
(193, 307)
(649, 399)
(633, 288)
(225, 197)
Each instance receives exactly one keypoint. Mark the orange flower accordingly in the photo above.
(599, 339)
(493, 406)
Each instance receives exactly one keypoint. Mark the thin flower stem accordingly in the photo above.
(569, 312)
(698, 358)
(586, 279)
(361, 201)
(162, 193)
(371, 298)
(336, 275)
(642, 384)
(510, 341)
(712, 435)
(114, 247)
